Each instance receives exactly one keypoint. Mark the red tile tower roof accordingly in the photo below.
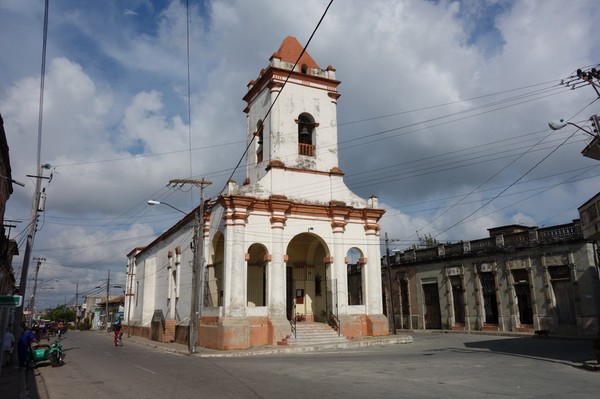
(289, 51)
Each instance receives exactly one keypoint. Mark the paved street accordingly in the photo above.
(434, 365)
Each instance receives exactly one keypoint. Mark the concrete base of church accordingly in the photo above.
(279, 328)
(169, 333)
(224, 333)
(378, 325)
(229, 333)
(364, 325)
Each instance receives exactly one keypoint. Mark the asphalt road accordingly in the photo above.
(433, 366)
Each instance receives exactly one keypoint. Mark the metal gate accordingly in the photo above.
(490, 301)
(458, 296)
(523, 294)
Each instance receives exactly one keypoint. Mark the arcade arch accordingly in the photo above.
(309, 285)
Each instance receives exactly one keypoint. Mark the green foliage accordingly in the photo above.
(61, 313)
(84, 325)
(427, 241)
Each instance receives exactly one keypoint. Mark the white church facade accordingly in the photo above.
(277, 248)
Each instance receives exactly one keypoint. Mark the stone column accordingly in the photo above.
(276, 273)
(339, 271)
(234, 296)
(377, 323)
(171, 285)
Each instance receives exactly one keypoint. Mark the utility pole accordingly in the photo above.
(106, 307)
(37, 206)
(77, 310)
(197, 264)
(130, 275)
(38, 193)
(32, 301)
(389, 273)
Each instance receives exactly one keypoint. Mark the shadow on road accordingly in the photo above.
(547, 349)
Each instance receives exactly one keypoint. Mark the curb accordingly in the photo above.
(209, 353)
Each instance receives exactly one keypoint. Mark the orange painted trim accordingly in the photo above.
(274, 74)
(281, 209)
(276, 164)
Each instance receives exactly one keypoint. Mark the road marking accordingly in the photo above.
(145, 369)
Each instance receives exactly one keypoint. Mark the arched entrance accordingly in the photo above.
(310, 292)
(355, 273)
(213, 279)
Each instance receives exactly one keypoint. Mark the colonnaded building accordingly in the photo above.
(519, 279)
(276, 248)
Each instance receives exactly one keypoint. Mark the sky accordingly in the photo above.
(443, 115)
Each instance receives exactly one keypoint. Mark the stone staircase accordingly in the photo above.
(311, 333)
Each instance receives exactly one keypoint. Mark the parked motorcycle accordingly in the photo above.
(48, 352)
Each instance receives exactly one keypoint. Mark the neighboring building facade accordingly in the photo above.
(8, 247)
(520, 279)
(95, 310)
(590, 218)
(277, 248)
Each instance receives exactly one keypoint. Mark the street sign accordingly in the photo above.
(10, 300)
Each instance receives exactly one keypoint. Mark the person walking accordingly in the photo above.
(117, 330)
(8, 344)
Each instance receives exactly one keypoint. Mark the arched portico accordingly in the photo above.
(309, 293)
(256, 280)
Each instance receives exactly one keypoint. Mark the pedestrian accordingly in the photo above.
(8, 344)
(117, 330)
(24, 347)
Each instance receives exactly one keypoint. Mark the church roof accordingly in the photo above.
(289, 51)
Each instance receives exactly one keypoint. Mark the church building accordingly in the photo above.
(278, 248)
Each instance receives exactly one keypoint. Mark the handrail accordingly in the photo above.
(293, 320)
(335, 322)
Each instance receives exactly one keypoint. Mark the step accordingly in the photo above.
(310, 333)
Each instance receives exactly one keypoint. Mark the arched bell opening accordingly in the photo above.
(306, 134)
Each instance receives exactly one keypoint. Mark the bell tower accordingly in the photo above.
(292, 122)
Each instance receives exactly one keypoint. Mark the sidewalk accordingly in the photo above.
(20, 384)
(270, 349)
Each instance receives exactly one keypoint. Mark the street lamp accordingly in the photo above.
(560, 123)
(592, 150)
(154, 202)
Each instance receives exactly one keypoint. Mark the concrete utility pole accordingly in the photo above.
(37, 206)
(389, 273)
(32, 301)
(38, 186)
(197, 264)
(106, 307)
(129, 296)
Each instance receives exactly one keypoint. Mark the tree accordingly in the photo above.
(427, 241)
(61, 313)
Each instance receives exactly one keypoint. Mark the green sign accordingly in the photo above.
(11, 300)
